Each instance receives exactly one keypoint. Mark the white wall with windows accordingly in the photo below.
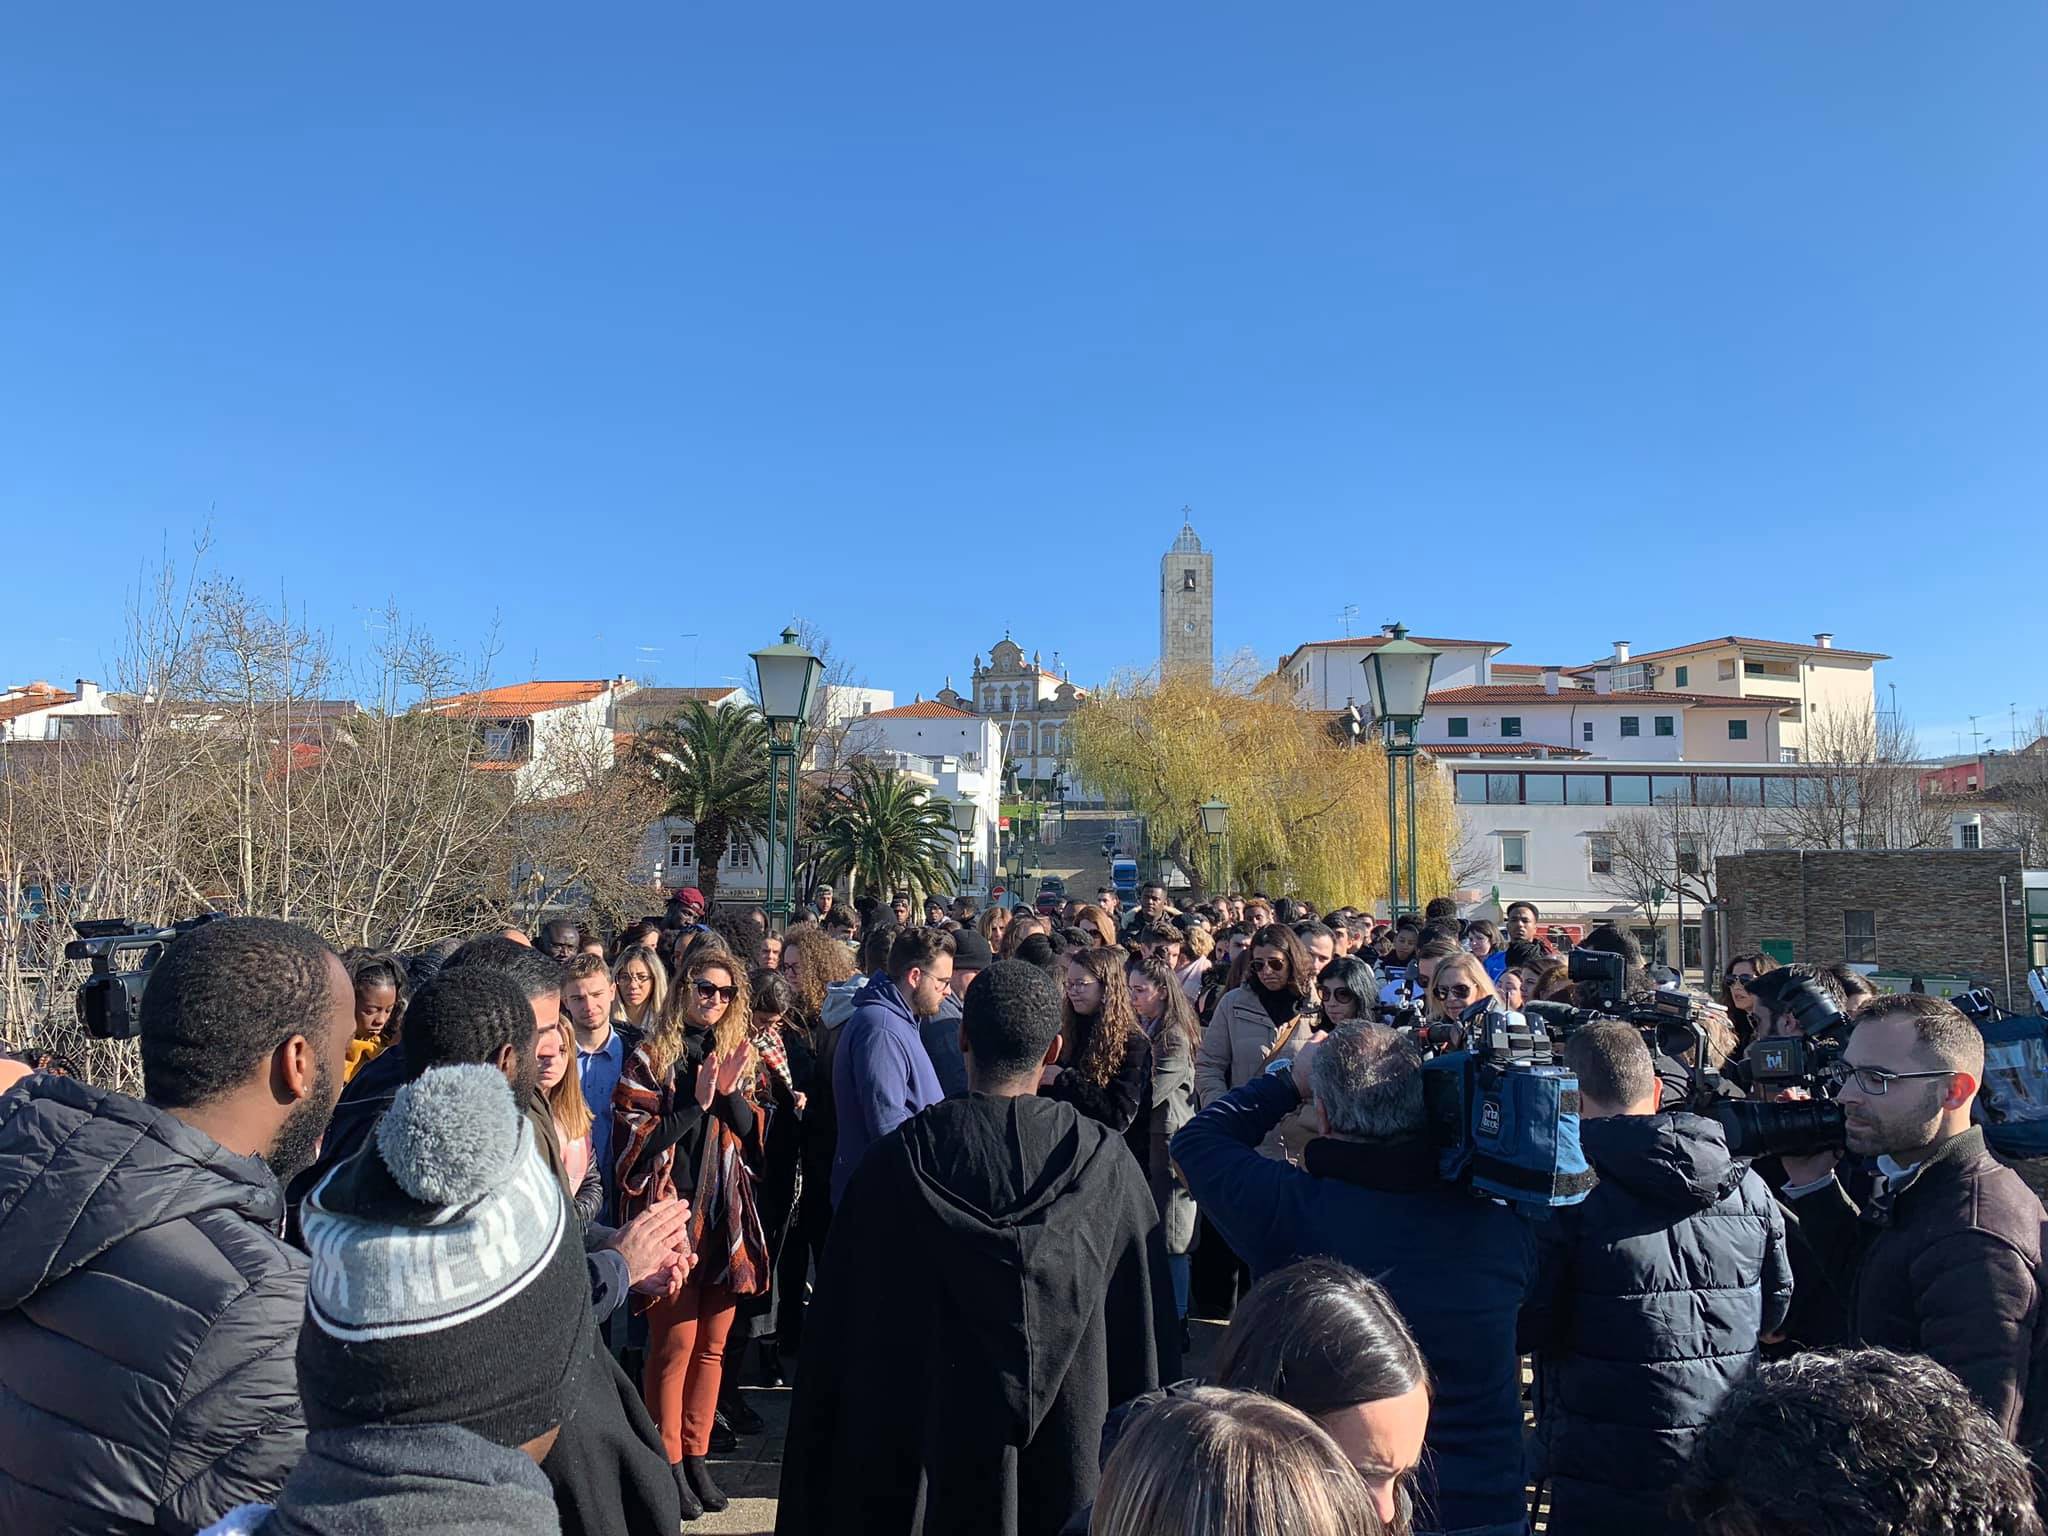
(1536, 829)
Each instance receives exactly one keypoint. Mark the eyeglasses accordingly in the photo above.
(707, 991)
(1877, 1082)
(1274, 966)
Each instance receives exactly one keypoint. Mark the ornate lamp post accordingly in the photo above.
(786, 674)
(1397, 678)
(964, 812)
(1216, 823)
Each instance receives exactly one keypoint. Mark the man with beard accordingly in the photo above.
(149, 1309)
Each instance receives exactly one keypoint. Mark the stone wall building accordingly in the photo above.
(1187, 607)
(1909, 911)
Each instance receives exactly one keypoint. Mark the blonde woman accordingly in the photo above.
(564, 1093)
(1206, 1461)
(688, 1124)
(641, 981)
(1458, 982)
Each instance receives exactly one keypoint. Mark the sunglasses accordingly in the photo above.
(708, 990)
(1273, 966)
(1459, 993)
(1742, 976)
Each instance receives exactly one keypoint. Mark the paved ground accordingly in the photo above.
(750, 1476)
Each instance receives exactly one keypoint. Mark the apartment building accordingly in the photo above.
(1813, 681)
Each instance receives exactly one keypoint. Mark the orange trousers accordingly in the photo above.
(685, 1361)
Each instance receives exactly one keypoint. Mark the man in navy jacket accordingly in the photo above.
(881, 1072)
(1367, 1192)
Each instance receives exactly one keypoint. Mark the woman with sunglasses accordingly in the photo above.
(1257, 1022)
(1105, 1065)
(687, 1123)
(1168, 1019)
(1459, 982)
(1349, 990)
(1736, 998)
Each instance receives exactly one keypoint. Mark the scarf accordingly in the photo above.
(725, 1213)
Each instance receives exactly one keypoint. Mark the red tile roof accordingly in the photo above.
(1775, 645)
(924, 709)
(519, 699)
(1536, 693)
(34, 696)
(1498, 749)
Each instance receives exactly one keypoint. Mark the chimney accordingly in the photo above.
(1825, 641)
(1603, 677)
(88, 691)
(1621, 653)
(1550, 679)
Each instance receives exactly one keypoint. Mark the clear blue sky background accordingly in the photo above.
(650, 326)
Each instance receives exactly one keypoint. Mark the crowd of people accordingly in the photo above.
(482, 1238)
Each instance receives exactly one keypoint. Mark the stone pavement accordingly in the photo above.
(751, 1474)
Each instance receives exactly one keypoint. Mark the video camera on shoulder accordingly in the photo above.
(122, 954)
(1503, 1114)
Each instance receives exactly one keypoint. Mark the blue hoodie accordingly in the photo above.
(881, 1075)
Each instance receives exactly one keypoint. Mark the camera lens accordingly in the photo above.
(1756, 1129)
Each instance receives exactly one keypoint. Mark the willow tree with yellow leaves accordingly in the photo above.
(1308, 811)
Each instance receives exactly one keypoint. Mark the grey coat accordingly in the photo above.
(1173, 1106)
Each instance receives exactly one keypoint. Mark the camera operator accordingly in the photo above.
(1368, 1192)
(1947, 1258)
(148, 1306)
(1780, 1000)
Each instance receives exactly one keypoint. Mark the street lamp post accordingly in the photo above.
(964, 812)
(1215, 822)
(786, 674)
(1397, 678)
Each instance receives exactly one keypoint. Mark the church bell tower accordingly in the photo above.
(1187, 610)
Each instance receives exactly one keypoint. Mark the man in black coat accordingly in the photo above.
(1652, 1295)
(148, 1307)
(994, 1284)
(1946, 1255)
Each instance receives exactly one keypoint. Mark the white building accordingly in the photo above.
(959, 755)
(1328, 674)
(39, 712)
(1537, 828)
(1593, 719)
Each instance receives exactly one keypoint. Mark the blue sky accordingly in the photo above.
(649, 327)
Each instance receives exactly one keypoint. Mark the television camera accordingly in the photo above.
(121, 954)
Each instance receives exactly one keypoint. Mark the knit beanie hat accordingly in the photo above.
(447, 1283)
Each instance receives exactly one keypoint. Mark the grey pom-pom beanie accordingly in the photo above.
(447, 1283)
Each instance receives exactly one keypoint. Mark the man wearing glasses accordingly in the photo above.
(1947, 1256)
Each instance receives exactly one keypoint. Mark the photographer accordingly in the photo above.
(1368, 1192)
(1946, 1259)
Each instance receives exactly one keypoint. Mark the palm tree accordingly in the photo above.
(884, 832)
(713, 768)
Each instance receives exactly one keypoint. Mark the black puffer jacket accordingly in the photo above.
(1650, 1299)
(148, 1316)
